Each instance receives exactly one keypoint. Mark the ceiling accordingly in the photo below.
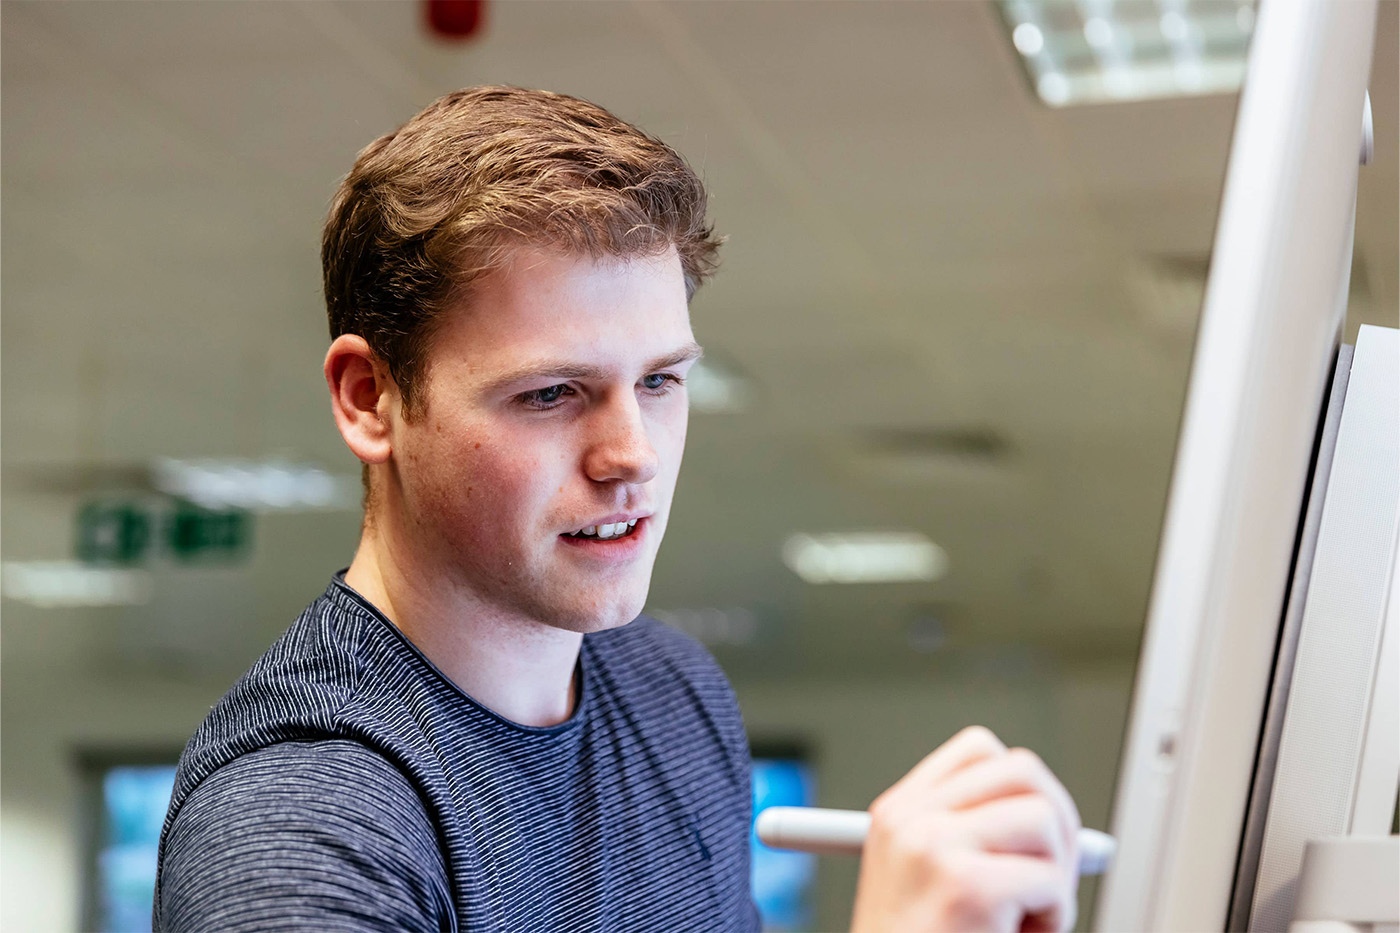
(918, 251)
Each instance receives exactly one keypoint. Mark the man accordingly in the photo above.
(472, 729)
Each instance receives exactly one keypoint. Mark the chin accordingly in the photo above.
(600, 616)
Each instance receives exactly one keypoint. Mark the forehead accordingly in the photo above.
(548, 304)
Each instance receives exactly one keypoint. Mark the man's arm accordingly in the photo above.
(304, 835)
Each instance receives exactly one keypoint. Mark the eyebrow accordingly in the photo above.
(564, 369)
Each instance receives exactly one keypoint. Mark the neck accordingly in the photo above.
(520, 668)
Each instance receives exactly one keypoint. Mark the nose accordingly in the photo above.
(620, 450)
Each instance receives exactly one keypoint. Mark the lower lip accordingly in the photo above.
(614, 549)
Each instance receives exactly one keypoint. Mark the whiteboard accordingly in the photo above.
(1274, 307)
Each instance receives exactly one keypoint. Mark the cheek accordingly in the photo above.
(669, 440)
(446, 472)
(489, 488)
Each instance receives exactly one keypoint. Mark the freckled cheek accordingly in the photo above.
(504, 493)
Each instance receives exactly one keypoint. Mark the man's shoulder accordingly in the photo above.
(320, 680)
(339, 647)
(318, 650)
(305, 677)
(311, 775)
(340, 773)
(331, 826)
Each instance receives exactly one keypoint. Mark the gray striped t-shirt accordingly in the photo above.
(344, 783)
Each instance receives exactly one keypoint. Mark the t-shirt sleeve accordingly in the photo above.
(325, 836)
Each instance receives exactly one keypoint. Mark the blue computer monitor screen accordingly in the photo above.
(782, 880)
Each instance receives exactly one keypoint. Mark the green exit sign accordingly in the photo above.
(192, 532)
(113, 533)
(133, 531)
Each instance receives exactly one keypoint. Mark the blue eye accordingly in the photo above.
(659, 381)
(544, 398)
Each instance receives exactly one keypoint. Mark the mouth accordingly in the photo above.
(608, 531)
(618, 539)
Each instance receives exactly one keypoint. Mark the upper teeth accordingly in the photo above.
(614, 530)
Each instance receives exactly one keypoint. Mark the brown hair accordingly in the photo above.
(432, 206)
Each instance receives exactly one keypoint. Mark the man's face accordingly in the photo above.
(554, 403)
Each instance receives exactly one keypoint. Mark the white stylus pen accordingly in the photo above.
(842, 832)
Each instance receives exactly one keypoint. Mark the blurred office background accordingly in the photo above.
(967, 247)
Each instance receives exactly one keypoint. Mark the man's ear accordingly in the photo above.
(361, 394)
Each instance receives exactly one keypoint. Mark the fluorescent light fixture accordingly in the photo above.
(1174, 26)
(868, 557)
(1099, 32)
(1028, 38)
(53, 584)
(1053, 88)
(713, 388)
(255, 485)
(1116, 50)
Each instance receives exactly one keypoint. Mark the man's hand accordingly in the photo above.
(975, 837)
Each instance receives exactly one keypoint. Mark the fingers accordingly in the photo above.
(1017, 772)
(1034, 884)
(1008, 892)
(971, 745)
(1026, 824)
(1018, 831)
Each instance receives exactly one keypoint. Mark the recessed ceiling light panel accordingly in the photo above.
(253, 484)
(1092, 51)
(866, 557)
(58, 583)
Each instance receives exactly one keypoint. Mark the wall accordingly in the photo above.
(46, 720)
